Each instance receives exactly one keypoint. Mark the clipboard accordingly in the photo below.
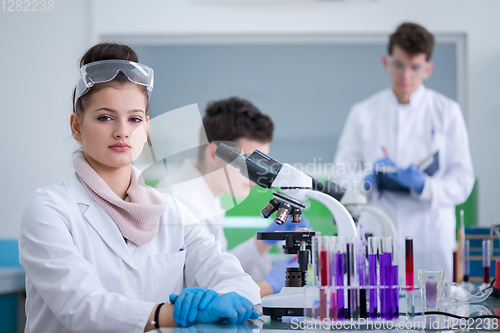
(430, 163)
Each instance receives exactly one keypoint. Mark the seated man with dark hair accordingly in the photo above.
(234, 121)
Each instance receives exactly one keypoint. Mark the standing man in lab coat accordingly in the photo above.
(421, 135)
(200, 184)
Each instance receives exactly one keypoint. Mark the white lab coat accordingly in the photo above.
(430, 122)
(81, 276)
(190, 187)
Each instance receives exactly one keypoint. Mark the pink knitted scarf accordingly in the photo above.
(138, 216)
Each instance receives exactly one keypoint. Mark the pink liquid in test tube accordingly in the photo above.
(486, 260)
(323, 267)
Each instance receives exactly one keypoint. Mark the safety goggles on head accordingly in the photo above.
(399, 67)
(106, 70)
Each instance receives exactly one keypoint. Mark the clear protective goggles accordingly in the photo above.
(399, 67)
(106, 70)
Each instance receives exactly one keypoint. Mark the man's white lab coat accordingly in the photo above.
(431, 122)
(192, 190)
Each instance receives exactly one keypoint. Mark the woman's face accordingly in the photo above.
(113, 126)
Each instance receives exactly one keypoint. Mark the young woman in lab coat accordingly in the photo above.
(101, 251)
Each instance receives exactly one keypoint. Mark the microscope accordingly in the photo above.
(295, 188)
(356, 203)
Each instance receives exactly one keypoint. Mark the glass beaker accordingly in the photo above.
(431, 281)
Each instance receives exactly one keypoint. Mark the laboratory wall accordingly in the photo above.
(478, 19)
(306, 88)
(40, 53)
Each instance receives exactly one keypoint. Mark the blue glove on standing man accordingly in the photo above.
(370, 179)
(411, 177)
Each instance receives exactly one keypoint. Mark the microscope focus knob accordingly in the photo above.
(294, 277)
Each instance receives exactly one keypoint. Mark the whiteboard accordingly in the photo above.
(307, 84)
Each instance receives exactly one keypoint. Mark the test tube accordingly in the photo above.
(341, 250)
(315, 261)
(372, 276)
(386, 307)
(395, 279)
(332, 248)
(467, 260)
(462, 240)
(324, 265)
(486, 260)
(352, 278)
(363, 313)
(410, 280)
(324, 262)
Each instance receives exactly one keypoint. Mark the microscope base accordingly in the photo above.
(289, 302)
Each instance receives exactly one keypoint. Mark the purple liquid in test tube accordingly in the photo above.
(340, 283)
(388, 309)
(383, 297)
(386, 299)
(394, 279)
(363, 281)
(395, 292)
(372, 278)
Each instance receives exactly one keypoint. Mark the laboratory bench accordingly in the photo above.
(491, 305)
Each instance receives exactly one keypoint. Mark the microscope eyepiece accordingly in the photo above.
(258, 167)
(230, 155)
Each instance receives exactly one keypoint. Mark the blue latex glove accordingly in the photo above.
(411, 177)
(287, 226)
(231, 308)
(380, 163)
(276, 277)
(189, 302)
(370, 179)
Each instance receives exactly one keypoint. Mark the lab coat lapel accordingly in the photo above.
(407, 118)
(100, 220)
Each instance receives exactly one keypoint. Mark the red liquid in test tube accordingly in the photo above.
(486, 274)
(323, 266)
(486, 260)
